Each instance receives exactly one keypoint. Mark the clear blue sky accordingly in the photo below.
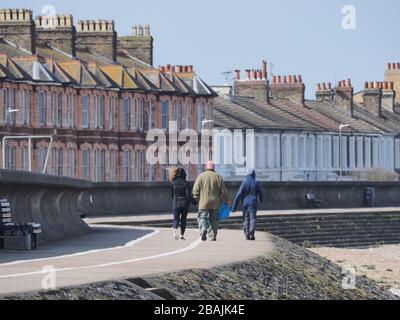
(298, 36)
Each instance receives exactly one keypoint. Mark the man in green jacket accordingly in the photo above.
(210, 191)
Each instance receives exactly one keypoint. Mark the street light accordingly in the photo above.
(10, 111)
(341, 127)
(204, 122)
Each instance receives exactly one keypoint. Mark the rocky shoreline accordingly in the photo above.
(289, 272)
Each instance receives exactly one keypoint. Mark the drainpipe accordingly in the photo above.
(281, 155)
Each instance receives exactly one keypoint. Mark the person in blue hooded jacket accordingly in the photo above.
(249, 194)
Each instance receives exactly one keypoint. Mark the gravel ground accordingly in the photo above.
(381, 264)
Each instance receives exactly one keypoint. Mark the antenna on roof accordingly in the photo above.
(271, 65)
(228, 77)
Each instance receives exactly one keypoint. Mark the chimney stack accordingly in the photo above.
(57, 31)
(17, 26)
(388, 96)
(392, 74)
(324, 92)
(372, 97)
(97, 36)
(139, 44)
(288, 87)
(255, 85)
(344, 96)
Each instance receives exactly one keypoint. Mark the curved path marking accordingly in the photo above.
(154, 253)
(128, 244)
(188, 248)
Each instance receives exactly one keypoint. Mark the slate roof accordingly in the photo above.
(91, 70)
(285, 114)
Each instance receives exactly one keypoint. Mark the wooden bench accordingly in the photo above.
(8, 229)
(312, 201)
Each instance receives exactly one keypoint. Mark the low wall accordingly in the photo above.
(48, 200)
(130, 198)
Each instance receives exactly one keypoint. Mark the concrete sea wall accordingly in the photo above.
(48, 200)
(149, 197)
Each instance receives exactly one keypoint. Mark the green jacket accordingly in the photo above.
(210, 190)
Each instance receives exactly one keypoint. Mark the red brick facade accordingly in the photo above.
(112, 138)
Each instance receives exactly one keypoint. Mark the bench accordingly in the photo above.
(8, 229)
(312, 201)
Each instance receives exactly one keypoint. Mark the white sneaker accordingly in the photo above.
(176, 236)
(182, 238)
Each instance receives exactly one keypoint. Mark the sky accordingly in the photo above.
(295, 36)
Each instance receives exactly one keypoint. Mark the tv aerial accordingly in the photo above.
(228, 76)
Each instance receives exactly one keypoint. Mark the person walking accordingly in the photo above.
(181, 199)
(210, 191)
(249, 193)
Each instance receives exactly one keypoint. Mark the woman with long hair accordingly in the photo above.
(181, 199)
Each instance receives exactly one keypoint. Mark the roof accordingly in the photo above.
(284, 114)
(92, 70)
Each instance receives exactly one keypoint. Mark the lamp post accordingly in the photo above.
(8, 111)
(203, 123)
(341, 127)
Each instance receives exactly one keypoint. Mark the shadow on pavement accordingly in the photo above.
(100, 238)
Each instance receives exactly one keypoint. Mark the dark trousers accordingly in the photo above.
(249, 221)
(180, 215)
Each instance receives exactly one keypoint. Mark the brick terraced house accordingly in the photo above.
(97, 95)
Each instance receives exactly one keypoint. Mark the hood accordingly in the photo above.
(251, 173)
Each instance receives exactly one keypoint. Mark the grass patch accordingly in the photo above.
(370, 267)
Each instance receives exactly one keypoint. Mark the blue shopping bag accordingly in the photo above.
(224, 212)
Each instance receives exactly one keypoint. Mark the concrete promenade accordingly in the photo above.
(112, 252)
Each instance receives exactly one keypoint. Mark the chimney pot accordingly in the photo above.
(264, 70)
(318, 87)
(237, 74)
(299, 79)
(248, 74)
(386, 85)
(329, 85)
(324, 86)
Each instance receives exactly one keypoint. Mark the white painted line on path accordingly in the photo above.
(192, 246)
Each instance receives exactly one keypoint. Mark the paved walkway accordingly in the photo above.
(113, 252)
